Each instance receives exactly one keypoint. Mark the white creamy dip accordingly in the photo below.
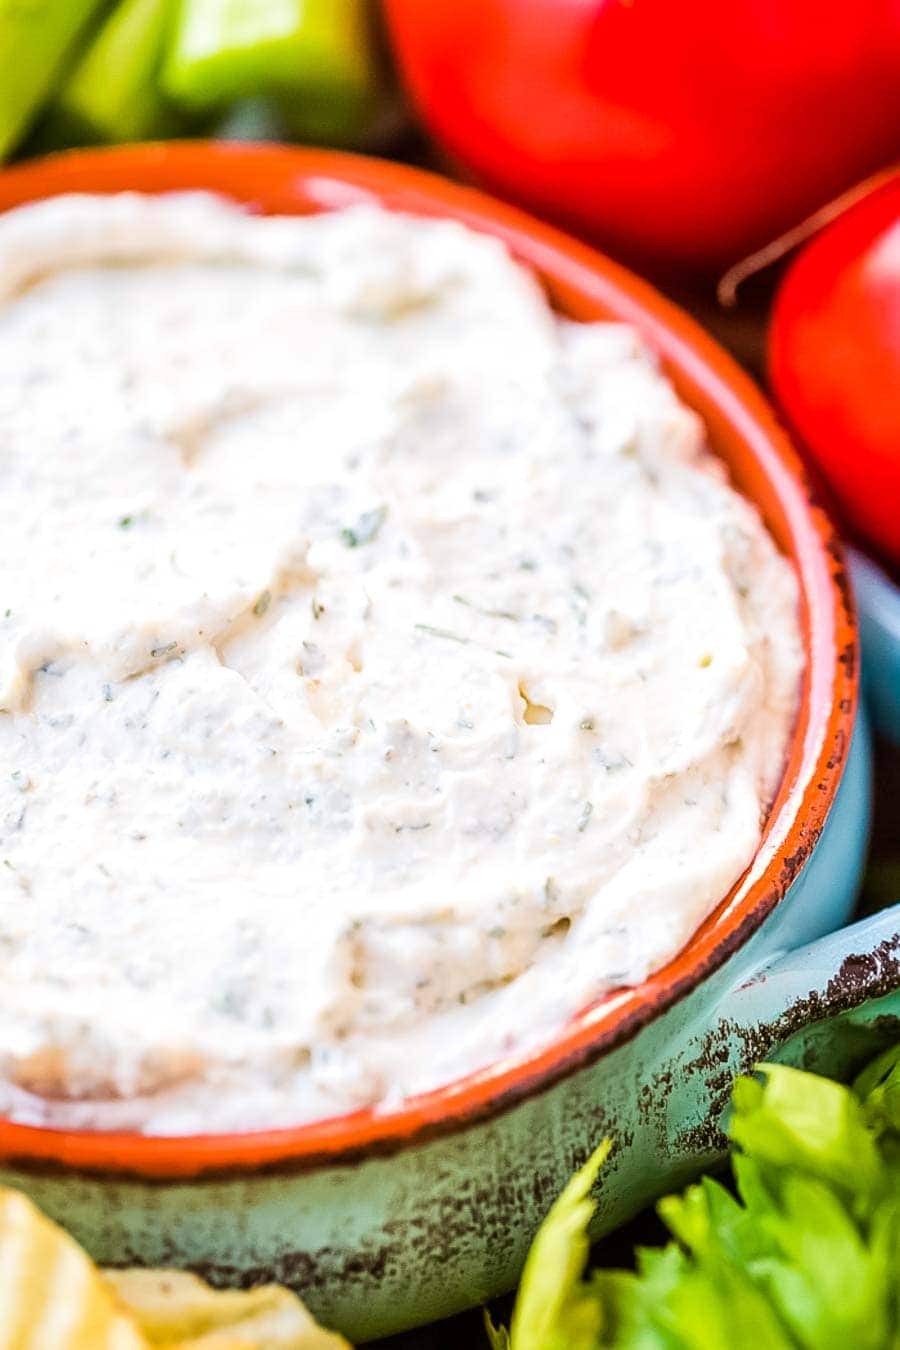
(386, 668)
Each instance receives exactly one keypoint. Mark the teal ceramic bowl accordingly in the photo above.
(878, 599)
(385, 1220)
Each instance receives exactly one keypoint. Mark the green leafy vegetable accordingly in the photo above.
(805, 1255)
(879, 1088)
(556, 1308)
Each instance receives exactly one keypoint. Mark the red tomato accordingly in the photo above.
(689, 131)
(834, 360)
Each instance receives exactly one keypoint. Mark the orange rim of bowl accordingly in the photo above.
(742, 428)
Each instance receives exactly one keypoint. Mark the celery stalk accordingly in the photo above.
(113, 92)
(36, 36)
(315, 49)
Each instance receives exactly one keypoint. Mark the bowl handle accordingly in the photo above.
(878, 604)
(830, 1003)
(830, 1007)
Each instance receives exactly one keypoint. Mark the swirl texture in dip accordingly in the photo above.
(386, 667)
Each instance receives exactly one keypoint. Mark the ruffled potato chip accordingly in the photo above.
(175, 1309)
(52, 1297)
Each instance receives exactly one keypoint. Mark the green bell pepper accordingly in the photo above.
(310, 54)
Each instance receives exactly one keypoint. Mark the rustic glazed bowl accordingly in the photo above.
(878, 598)
(390, 1219)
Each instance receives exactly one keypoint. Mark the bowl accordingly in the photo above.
(878, 598)
(389, 1218)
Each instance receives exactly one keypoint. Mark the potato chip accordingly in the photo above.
(51, 1296)
(178, 1310)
